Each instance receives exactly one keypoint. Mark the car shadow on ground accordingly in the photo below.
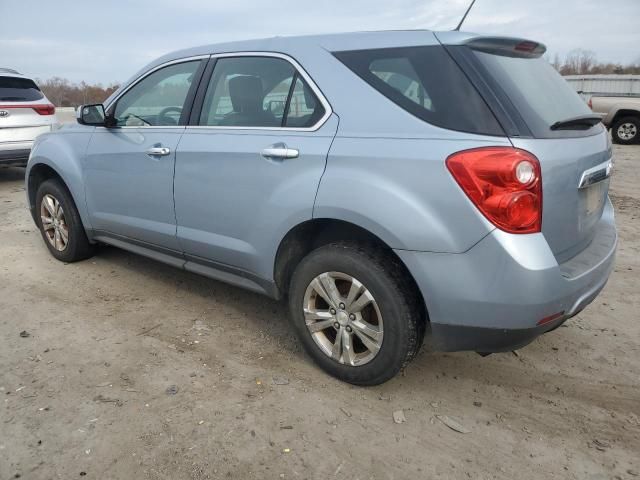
(11, 174)
(261, 312)
(270, 317)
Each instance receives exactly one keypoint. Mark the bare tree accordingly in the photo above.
(64, 93)
(581, 62)
(578, 62)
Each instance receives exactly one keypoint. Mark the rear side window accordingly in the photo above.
(259, 92)
(16, 89)
(426, 82)
(304, 109)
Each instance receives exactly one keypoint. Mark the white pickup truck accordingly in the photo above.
(621, 115)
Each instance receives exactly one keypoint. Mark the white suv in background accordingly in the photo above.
(25, 113)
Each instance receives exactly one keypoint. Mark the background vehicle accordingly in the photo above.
(390, 184)
(25, 113)
(621, 115)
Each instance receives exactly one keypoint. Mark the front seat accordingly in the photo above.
(246, 99)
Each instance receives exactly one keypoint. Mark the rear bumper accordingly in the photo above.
(452, 338)
(15, 153)
(492, 297)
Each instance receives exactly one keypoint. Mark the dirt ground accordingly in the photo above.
(135, 370)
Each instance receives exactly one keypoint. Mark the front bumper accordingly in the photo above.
(492, 297)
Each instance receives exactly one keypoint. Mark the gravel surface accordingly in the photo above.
(122, 368)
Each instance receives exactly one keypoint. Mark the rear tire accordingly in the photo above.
(626, 130)
(59, 222)
(376, 340)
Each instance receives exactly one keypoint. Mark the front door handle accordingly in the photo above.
(280, 151)
(158, 151)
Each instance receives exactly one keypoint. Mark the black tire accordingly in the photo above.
(78, 246)
(634, 122)
(397, 298)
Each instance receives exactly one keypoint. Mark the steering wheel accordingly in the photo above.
(164, 119)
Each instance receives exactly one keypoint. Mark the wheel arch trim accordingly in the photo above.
(71, 181)
(306, 236)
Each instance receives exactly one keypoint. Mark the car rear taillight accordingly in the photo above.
(44, 109)
(504, 183)
(590, 103)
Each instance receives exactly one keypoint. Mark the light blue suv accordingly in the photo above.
(394, 186)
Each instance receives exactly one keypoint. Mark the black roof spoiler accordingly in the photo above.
(507, 46)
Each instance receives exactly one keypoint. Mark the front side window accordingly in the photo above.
(426, 82)
(258, 92)
(158, 99)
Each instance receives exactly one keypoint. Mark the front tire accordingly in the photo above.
(59, 222)
(626, 130)
(356, 312)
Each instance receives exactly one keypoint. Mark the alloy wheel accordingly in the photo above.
(54, 224)
(627, 131)
(343, 318)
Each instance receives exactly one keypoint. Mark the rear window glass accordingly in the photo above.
(426, 82)
(16, 89)
(538, 92)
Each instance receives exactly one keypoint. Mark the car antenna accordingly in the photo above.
(457, 29)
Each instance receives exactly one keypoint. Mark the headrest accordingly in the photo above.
(246, 93)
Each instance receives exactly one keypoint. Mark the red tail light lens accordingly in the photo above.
(504, 183)
(550, 318)
(44, 109)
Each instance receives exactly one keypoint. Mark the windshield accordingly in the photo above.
(16, 89)
(537, 91)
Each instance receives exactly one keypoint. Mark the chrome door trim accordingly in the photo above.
(596, 174)
(328, 111)
(149, 72)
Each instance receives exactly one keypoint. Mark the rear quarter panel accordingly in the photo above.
(400, 190)
(386, 168)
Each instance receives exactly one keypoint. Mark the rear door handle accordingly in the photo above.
(280, 151)
(158, 151)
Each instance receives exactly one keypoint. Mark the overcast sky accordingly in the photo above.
(107, 41)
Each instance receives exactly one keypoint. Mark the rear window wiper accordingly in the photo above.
(577, 123)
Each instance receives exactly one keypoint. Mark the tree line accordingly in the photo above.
(64, 93)
(583, 62)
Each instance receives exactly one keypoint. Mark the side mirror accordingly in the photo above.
(91, 115)
(276, 107)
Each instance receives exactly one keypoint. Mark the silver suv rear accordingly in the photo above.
(25, 113)
(395, 187)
